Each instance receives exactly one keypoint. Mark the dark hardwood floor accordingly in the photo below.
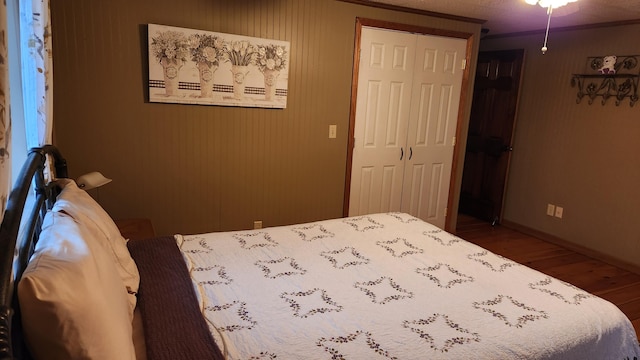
(621, 287)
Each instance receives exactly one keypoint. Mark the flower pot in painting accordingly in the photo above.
(206, 79)
(270, 81)
(171, 70)
(239, 76)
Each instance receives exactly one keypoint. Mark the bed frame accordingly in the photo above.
(18, 238)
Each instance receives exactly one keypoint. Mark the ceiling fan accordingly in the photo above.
(565, 7)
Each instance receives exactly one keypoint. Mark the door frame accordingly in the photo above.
(360, 22)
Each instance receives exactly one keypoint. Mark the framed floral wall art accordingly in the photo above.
(203, 67)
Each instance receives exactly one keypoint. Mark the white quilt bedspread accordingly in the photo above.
(390, 286)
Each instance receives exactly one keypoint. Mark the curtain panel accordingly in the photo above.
(5, 114)
(37, 71)
(31, 28)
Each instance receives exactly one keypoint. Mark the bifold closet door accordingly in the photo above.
(382, 115)
(406, 113)
(437, 84)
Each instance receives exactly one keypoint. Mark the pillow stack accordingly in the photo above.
(77, 294)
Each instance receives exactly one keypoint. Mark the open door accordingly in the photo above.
(488, 151)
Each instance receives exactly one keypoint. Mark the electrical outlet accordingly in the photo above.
(559, 211)
(551, 209)
(257, 224)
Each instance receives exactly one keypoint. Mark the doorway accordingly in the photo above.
(491, 127)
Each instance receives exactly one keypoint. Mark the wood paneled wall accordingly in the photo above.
(192, 168)
(584, 158)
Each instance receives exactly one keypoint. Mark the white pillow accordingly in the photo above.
(84, 209)
(72, 299)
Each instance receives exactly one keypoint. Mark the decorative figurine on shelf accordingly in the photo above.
(608, 65)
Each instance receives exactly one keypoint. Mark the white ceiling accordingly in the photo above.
(508, 16)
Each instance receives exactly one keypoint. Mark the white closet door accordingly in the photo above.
(435, 101)
(382, 112)
(407, 103)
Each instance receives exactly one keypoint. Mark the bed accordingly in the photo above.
(386, 286)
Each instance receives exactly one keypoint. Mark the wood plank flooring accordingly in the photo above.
(616, 285)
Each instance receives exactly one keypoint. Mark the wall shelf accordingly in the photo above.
(619, 87)
(619, 84)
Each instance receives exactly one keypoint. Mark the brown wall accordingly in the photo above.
(197, 168)
(585, 158)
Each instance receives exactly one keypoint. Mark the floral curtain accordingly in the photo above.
(37, 74)
(27, 21)
(5, 118)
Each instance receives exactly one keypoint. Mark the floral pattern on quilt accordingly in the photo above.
(345, 257)
(195, 245)
(311, 302)
(353, 346)
(313, 232)
(383, 290)
(513, 312)
(494, 262)
(404, 218)
(389, 286)
(399, 247)
(253, 240)
(440, 332)
(561, 290)
(263, 356)
(211, 275)
(237, 314)
(363, 223)
(442, 237)
(444, 275)
(286, 266)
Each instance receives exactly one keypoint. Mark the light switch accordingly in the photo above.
(333, 129)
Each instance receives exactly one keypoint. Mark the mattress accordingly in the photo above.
(390, 286)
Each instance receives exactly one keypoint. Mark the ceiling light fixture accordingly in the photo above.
(549, 5)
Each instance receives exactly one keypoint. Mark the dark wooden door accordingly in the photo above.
(488, 151)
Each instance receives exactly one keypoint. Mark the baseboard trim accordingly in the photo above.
(571, 246)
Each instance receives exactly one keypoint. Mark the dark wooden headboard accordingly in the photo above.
(18, 238)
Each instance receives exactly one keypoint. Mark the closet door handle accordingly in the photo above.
(401, 153)
(410, 153)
